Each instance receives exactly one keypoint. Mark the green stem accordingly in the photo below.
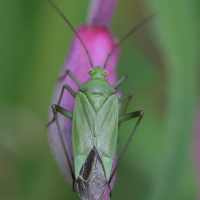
(178, 38)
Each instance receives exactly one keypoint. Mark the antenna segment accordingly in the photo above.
(66, 20)
(126, 36)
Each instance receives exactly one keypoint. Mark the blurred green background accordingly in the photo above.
(161, 60)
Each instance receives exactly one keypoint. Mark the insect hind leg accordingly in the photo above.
(123, 118)
(55, 109)
(110, 190)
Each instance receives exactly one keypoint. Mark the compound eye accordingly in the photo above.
(90, 71)
(105, 73)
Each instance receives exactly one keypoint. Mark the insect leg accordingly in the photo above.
(119, 81)
(110, 190)
(67, 72)
(127, 96)
(62, 111)
(123, 118)
(68, 114)
(70, 90)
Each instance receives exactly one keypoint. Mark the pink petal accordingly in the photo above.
(101, 12)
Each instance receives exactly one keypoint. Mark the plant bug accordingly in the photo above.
(95, 122)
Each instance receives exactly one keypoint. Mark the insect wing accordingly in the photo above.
(107, 129)
(82, 138)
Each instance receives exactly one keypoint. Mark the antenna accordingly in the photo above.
(66, 20)
(127, 35)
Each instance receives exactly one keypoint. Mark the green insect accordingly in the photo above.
(95, 127)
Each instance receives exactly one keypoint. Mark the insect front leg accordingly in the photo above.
(123, 118)
(119, 81)
(57, 109)
(70, 90)
(68, 72)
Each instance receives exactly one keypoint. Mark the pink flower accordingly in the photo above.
(99, 41)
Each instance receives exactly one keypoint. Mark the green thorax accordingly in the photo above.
(97, 89)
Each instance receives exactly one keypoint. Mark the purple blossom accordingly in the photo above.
(101, 12)
(99, 41)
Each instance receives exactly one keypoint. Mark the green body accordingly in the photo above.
(95, 121)
(94, 132)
